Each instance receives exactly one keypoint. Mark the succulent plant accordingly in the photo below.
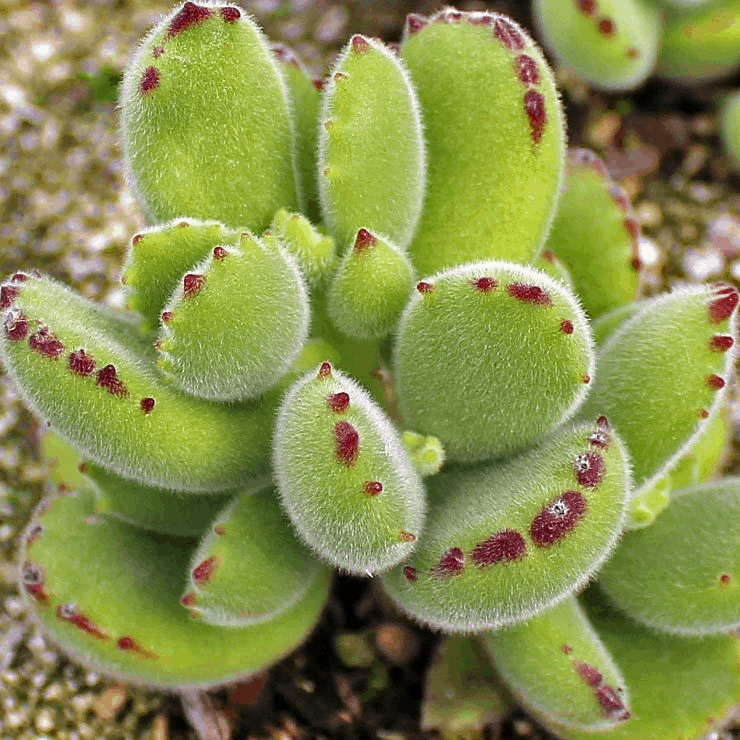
(618, 44)
(311, 335)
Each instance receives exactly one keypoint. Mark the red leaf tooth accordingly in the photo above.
(724, 304)
(714, 382)
(8, 294)
(15, 325)
(404, 536)
(19, 277)
(526, 70)
(589, 469)
(372, 487)
(81, 363)
(149, 80)
(130, 645)
(484, 284)
(589, 674)
(189, 15)
(505, 546)
(189, 599)
(612, 703)
(167, 317)
(536, 110)
(587, 7)
(719, 343)
(600, 436)
(193, 284)
(359, 45)
(532, 294)
(108, 378)
(147, 405)
(338, 402)
(324, 371)
(219, 253)
(508, 34)
(32, 577)
(557, 519)
(157, 52)
(410, 573)
(607, 27)
(702, 413)
(424, 288)
(346, 443)
(451, 563)
(364, 241)
(415, 23)
(230, 15)
(69, 613)
(203, 573)
(45, 343)
(566, 326)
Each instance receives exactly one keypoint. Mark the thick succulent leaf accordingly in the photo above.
(554, 267)
(489, 357)
(662, 375)
(235, 323)
(681, 574)
(159, 256)
(249, 566)
(462, 692)
(504, 541)
(371, 147)
(606, 324)
(86, 371)
(703, 45)
(595, 234)
(315, 252)
(370, 287)
(495, 137)
(558, 668)
(109, 595)
(201, 78)
(306, 104)
(679, 687)
(368, 508)
(153, 509)
(62, 460)
(613, 43)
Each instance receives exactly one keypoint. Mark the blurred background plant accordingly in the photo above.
(64, 204)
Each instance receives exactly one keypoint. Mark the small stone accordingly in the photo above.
(45, 720)
(108, 705)
(649, 215)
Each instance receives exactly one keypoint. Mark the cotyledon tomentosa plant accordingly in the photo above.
(281, 394)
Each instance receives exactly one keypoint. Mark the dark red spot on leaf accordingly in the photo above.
(702, 413)
(157, 52)
(137, 238)
(19, 277)
(589, 469)
(364, 241)
(188, 16)
(587, 7)
(508, 34)
(409, 573)
(108, 378)
(340, 76)
(15, 325)
(714, 382)
(193, 284)
(220, 530)
(566, 326)
(484, 284)
(548, 256)
(633, 53)
(147, 405)
(725, 579)
(632, 228)
(557, 518)
(566, 649)
(8, 294)
(607, 27)
(534, 106)
(526, 70)
(415, 23)
(404, 536)
(45, 343)
(202, 573)
(424, 288)
(372, 487)
(481, 20)
(149, 80)
(725, 302)
(346, 443)
(230, 15)
(338, 402)
(529, 294)
(319, 84)
(720, 343)
(585, 378)
(589, 674)
(636, 264)
(81, 363)
(219, 253)
(167, 317)
(451, 563)
(503, 546)
(324, 371)
(612, 703)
